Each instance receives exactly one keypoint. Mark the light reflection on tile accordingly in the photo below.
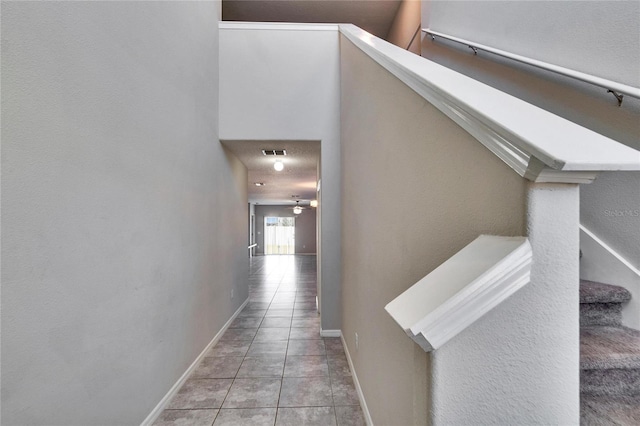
(272, 334)
(267, 366)
(306, 347)
(305, 392)
(304, 333)
(253, 393)
(246, 416)
(229, 348)
(201, 393)
(271, 366)
(186, 418)
(308, 416)
(273, 348)
(306, 366)
(224, 367)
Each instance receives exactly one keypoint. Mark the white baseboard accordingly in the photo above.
(330, 333)
(155, 413)
(602, 263)
(363, 403)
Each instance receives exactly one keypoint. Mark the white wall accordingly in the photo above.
(121, 237)
(567, 33)
(518, 364)
(597, 37)
(281, 82)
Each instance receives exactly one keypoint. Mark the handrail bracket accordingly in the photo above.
(617, 89)
(619, 96)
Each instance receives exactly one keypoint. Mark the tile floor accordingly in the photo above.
(271, 367)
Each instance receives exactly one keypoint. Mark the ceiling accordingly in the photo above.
(299, 176)
(374, 16)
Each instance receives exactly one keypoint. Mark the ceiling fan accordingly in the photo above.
(297, 209)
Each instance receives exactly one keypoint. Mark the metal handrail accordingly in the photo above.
(617, 89)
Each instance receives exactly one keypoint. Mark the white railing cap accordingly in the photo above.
(536, 143)
(461, 290)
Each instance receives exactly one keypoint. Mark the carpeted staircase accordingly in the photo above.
(609, 358)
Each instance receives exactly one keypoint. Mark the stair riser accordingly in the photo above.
(614, 382)
(600, 314)
(592, 292)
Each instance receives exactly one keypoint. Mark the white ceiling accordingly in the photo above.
(374, 16)
(299, 176)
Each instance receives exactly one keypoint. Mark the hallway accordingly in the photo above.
(271, 366)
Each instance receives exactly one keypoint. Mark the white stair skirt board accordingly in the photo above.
(356, 383)
(601, 263)
(155, 413)
(461, 290)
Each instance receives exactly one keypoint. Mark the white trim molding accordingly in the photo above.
(330, 333)
(537, 144)
(155, 413)
(461, 290)
(611, 251)
(356, 383)
(275, 26)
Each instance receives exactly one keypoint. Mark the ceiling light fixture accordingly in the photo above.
(314, 203)
(297, 209)
(278, 165)
(259, 183)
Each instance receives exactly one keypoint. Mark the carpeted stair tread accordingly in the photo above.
(610, 410)
(614, 381)
(594, 292)
(609, 347)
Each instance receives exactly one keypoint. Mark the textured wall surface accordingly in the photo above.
(284, 84)
(123, 220)
(428, 189)
(519, 363)
(305, 227)
(597, 37)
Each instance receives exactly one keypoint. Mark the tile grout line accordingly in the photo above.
(284, 288)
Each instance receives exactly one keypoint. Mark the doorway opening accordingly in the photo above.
(279, 235)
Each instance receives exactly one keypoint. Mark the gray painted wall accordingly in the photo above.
(123, 219)
(597, 37)
(275, 86)
(305, 227)
(404, 162)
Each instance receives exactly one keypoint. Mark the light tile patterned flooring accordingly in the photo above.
(271, 367)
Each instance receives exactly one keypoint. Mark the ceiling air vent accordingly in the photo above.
(274, 152)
